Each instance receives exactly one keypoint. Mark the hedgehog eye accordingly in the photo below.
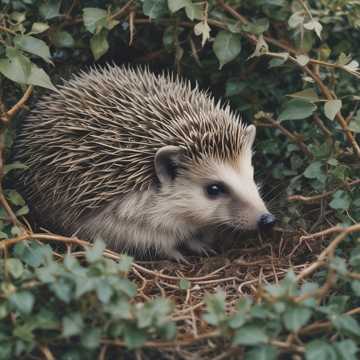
(215, 190)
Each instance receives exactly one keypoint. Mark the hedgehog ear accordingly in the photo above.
(250, 135)
(166, 163)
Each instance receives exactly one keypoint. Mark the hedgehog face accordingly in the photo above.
(212, 192)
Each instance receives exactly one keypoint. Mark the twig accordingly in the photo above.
(5, 118)
(277, 125)
(328, 253)
(315, 198)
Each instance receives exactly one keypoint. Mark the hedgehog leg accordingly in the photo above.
(200, 247)
(177, 256)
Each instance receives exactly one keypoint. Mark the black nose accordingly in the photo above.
(266, 222)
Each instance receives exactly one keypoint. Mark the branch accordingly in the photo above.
(5, 118)
(275, 124)
(315, 198)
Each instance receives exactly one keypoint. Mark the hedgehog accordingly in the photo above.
(139, 160)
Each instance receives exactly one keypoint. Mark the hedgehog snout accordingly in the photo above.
(266, 222)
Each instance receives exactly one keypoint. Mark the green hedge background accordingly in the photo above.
(292, 69)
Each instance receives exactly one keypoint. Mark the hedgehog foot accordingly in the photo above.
(178, 257)
(201, 248)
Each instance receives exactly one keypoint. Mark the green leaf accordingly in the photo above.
(295, 317)
(263, 352)
(184, 284)
(176, 5)
(346, 350)
(331, 108)
(15, 198)
(33, 46)
(99, 44)
(234, 87)
(39, 27)
(62, 39)
(346, 324)
(72, 325)
(134, 338)
(227, 47)
(297, 109)
(308, 95)
(154, 9)
(194, 11)
(15, 267)
(90, 339)
(23, 301)
(16, 165)
(355, 123)
(40, 78)
(355, 285)
(125, 263)
(315, 171)
(95, 253)
(257, 27)
(92, 17)
(50, 9)
(250, 335)
(338, 264)
(319, 350)
(16, 69)
(341, 200)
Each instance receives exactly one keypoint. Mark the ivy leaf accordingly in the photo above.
(341, 200)
(176, 5)
(194, 11)
(263, 352)
(250, 335)
(95, 253)
(295, 317)
(297, 109)
(227, 47)
(134, 338)
(184, 284)
(331, 108)
(203, 29)
(355, 123)
(62, 39)
(308, 94)
(33, 46)
(319, 350)
(39, 27)
(346, 349)
(17, 68)
(23, 301)
(72, 325)
(346, 324)
(15, 267)
(154, 9)
(315, 171)
(50, 9)
(40, 78)
(90, 339)
(92, 17)
(99, 44)
(314, 25)
(257, 27)
(296, 19)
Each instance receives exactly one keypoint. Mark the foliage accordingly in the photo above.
(290, 67)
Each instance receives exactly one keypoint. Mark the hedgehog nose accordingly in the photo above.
(266, 222)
